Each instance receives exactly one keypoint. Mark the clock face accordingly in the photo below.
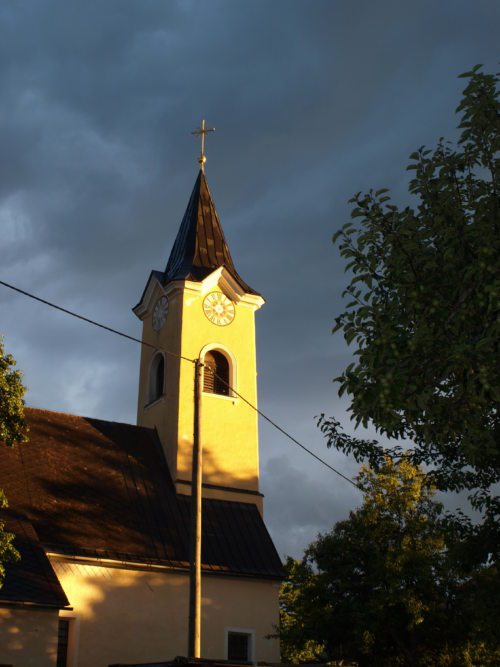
(218, 308)
(160, 313)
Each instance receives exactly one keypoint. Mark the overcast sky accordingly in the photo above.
(312, 101)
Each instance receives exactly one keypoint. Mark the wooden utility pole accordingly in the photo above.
(194, 639)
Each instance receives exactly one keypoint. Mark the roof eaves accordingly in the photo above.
(141, 307)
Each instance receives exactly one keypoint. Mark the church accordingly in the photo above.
(101, 510)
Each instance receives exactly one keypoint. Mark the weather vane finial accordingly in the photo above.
(201, 132)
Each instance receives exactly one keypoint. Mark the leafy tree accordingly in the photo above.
(12, 423)
(7, 551)
(424, 311)
(296, 644)
(12, 430)
(380, 588)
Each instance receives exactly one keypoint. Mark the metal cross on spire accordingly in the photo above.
(201, 132)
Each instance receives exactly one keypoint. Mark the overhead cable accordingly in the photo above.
(180, 356)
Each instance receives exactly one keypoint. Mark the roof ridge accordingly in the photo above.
(30, 408)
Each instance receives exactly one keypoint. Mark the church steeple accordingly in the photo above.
(200, 308)
(200, 246)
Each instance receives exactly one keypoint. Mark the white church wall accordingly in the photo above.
(130, 615)
(28, 636)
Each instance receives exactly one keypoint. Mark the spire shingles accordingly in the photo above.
(200, 246)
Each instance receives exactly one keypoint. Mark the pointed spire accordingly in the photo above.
(200, 246)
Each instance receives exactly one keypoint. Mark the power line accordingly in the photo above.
(180, 356)
(89, 321)
(281, 430)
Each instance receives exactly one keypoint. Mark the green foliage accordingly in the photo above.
(294, 633)
(424, 310)
(12, 424)
(381, 588)
(398, 582)
(406, 585)
(12, 430)
(7, 550)
(425, 301)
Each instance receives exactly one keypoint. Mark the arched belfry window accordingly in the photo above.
(216, 373)
(157, 377)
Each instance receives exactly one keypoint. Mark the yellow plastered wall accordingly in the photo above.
(129, 616)
(162, 414)
(229, 425)
(28, 637)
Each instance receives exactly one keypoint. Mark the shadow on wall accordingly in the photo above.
(28, 637)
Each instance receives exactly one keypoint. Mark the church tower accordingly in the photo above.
(199, 307)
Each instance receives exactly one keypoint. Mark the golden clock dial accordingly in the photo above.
(218, 308)
(160, 313)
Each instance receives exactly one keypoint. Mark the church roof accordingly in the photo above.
(200, 246)
(30, 579)
(94, 488)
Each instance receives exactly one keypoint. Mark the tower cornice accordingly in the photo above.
(221, 279)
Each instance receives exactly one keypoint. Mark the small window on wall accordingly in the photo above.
(216, 373)
(239, 646)
(156, 377)
(63, 643)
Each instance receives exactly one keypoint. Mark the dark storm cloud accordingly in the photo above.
(318, 492)
(312, 102)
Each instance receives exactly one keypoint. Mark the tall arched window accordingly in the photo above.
(156, 377)
(216, 373)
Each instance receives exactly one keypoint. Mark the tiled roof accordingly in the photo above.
(31, 579)
(103, 489)
(200, 246)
